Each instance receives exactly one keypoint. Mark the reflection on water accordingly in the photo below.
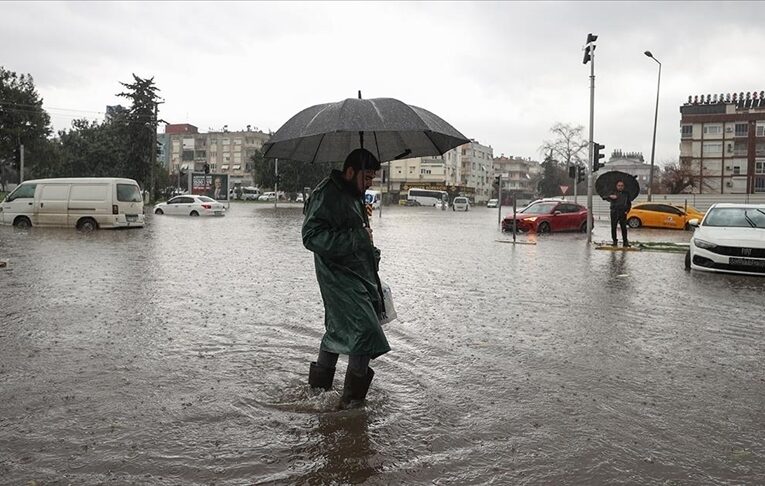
(179, 353)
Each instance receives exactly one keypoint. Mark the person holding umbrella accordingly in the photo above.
(335, 229)
(620, 205)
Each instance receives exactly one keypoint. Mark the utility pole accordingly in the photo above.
(589, 56)
(153, 151)
(499, 201)
(21, 163)
(276, 182)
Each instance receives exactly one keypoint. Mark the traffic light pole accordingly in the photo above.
(591, 175)
(499, 202)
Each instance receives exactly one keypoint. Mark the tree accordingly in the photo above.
(92, 149)
(141, 120)
(553, 176)
(293, 176)
(22, 121)
(677, 178)
(568, 145)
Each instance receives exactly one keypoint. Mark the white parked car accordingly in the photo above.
(267, 196)
(492, 203)
(190, 205)
(461, 204)
(730, 238)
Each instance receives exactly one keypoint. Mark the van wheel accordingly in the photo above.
(22, 222)
(159, 211)
(634, 222)
(194, 213)
(87, 225)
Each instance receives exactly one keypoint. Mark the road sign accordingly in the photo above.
(564, 189)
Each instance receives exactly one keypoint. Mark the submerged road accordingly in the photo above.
(178, 354)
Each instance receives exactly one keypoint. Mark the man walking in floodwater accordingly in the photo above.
(620, 206)
(346, 261)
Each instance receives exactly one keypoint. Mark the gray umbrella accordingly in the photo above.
(386, 127)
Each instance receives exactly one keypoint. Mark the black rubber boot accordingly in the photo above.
(320, 376)
(626, 244)
(355, 389)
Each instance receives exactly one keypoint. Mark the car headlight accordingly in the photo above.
(703, 244)
(531, 219)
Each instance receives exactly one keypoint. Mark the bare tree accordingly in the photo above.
(568, 145)
(677, 178)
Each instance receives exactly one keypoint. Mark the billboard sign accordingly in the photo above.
(211, 185)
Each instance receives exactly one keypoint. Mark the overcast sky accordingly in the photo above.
(501, 73)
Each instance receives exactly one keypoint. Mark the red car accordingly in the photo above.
(548, 215)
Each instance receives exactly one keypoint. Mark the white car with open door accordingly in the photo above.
(191, 205)
(730, 238)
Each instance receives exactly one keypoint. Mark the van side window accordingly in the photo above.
(23, 191)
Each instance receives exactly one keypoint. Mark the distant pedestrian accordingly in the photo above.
(620, 206)
(346, 262)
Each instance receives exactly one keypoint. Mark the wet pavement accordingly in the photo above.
(178, 354)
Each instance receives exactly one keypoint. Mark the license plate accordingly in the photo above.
(131, 218)
(218, 213)
(747, 262)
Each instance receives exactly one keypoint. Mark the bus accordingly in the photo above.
(427, 197)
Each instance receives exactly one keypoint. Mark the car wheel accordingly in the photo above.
(159, 211)
(583, 227)
(86, 225)
(688, 260)
(634, 222)
(22, 222)
(193, 213)
(687, 227)
(543, 228)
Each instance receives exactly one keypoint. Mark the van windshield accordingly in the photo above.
(128, 193)
(23, 191)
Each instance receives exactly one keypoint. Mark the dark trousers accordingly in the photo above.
(620, 218)
(357, 363)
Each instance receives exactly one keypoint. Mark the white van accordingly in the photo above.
(82, 203)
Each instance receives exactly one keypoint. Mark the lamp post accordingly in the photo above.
(655, 119)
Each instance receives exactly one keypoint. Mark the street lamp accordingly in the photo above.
(655, 119)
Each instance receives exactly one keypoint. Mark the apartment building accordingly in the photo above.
(722, 142)
(518, 174)
(476, 169)
(226, 152)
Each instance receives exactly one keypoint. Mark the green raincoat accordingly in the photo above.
(346, 268)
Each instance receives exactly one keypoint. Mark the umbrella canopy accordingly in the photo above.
(387, 127)
(606, 184)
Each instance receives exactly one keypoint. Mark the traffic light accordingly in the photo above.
(207, 168)
(589, 47)
(581, 174)
(572, 171)
(596, 156)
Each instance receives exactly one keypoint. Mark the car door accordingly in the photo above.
(650, 215)
(53, 205)
(171, 206)
(21, 202)
(186, 205)
(669, 216)
(567, 216)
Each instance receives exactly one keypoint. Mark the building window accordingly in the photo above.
(759, 184)
(712, 148)
(759, 149)
(742, 129)
(686, 131)
(760, 131)
(759, 167)
(736, 170)
(712, 129)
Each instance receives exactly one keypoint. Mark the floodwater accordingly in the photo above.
(178, 354)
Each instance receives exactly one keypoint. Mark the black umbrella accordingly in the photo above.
(606, 184)
(387, 127)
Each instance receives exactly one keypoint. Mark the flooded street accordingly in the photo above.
(178, 354)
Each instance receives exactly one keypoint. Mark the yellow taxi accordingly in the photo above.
(656, 215)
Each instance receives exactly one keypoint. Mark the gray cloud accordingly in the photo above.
(500, 72)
